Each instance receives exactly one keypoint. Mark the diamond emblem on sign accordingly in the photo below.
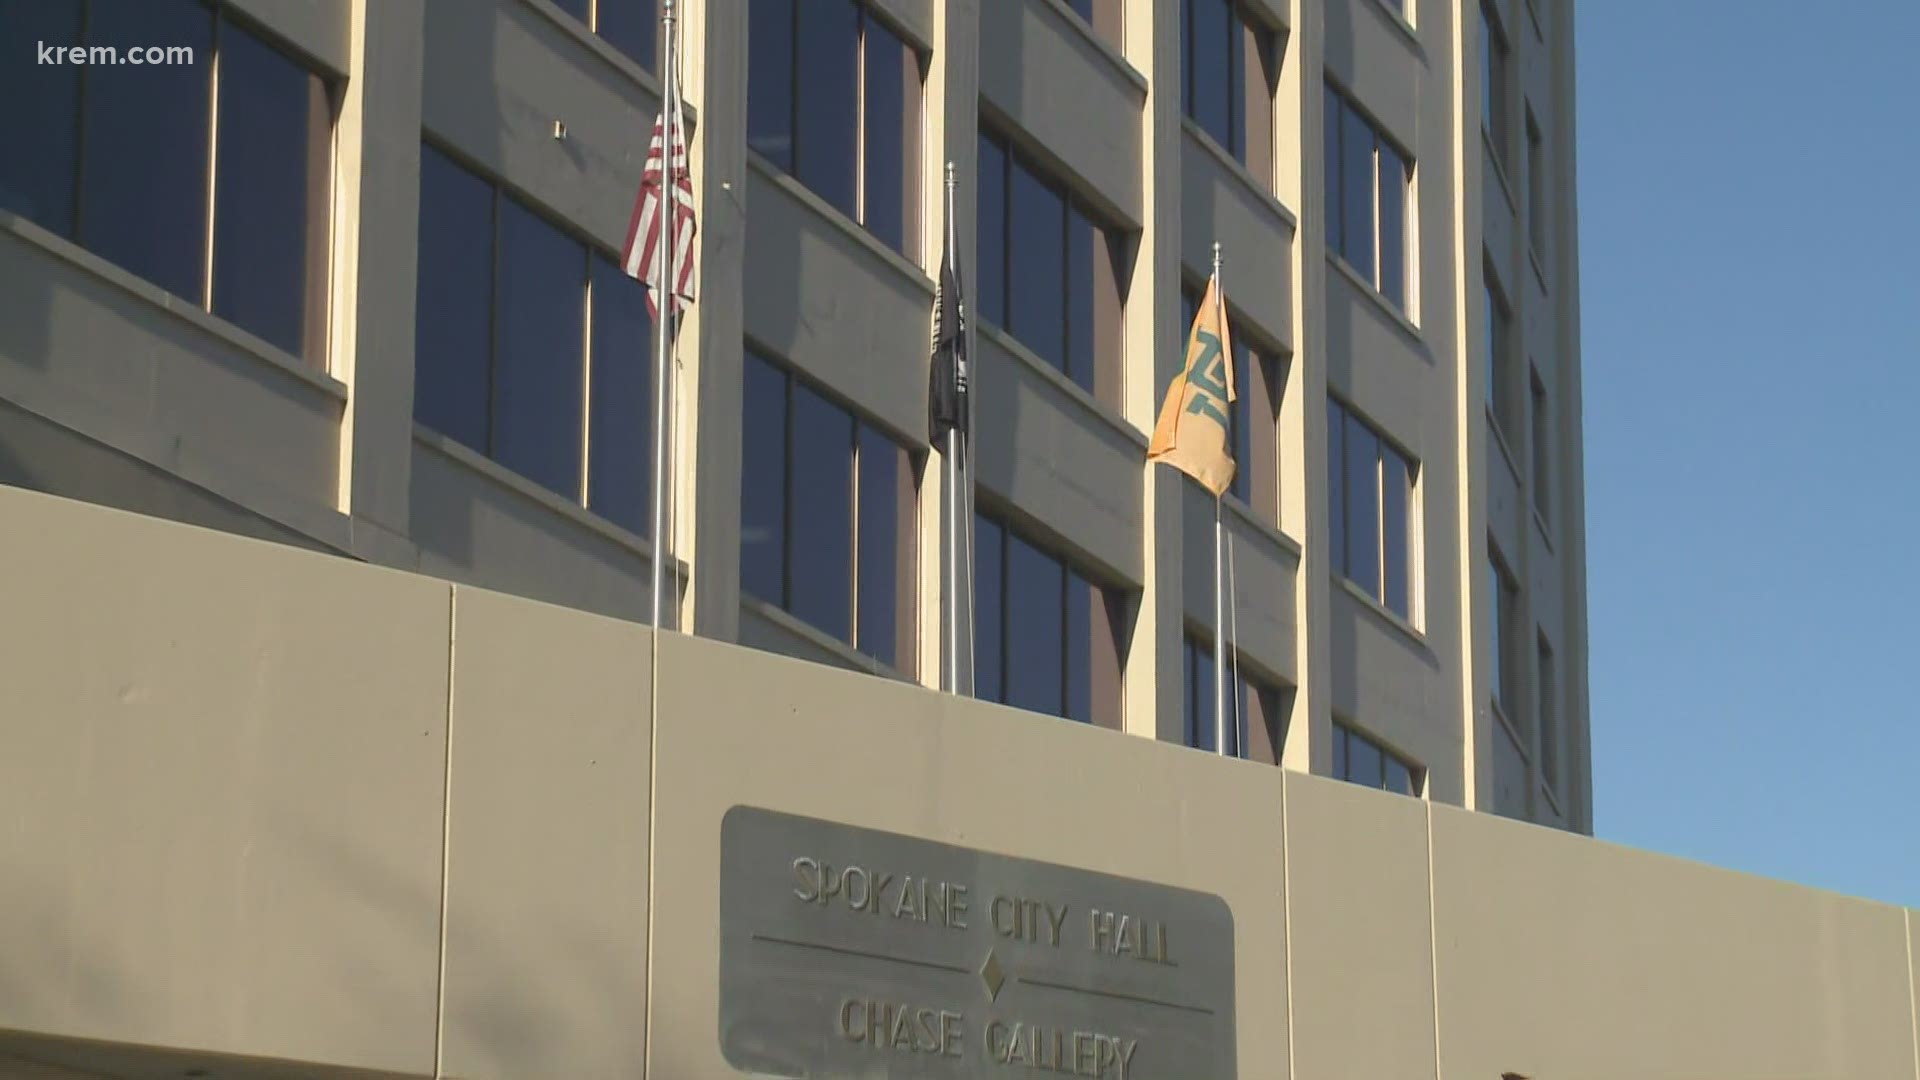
(991, 975)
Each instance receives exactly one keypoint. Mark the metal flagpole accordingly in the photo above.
(663, 301)
(1220, 642)
(954, 449)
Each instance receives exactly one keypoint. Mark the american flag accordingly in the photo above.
(641, 257)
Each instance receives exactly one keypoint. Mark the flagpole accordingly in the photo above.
(663, 306)
(1220, 643)
(954, 449)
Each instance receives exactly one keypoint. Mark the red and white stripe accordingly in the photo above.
(642, 255)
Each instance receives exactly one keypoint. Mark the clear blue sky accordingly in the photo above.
(1750, 231)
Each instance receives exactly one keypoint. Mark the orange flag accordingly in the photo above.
(1193, 434)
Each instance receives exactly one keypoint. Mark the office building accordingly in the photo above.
(346, 278)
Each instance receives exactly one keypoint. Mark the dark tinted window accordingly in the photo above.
(888, 64)
(827, 515)
(1396, 493)
(1394, 180)
(1083, 602)
(1363, 508)
(576, 8)
(1337, 484)
(1362, 761)
(270, 208)
(540, 323)
(1357, 179)
(992, 210)
(1086, 247)
(632, 26)
(144, 173)
(819, 585)
(770, 40)
(1035, 629)
(883, 543)
(1365, 764)
(1038, 272)
(1332, 127)
(39, 123)
(989, 615)
(763, 482)
(453, 301)
(620, 401)
(1210, 68)
(827, 149)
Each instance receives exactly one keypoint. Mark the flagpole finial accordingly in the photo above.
(666, 10)
(1216, 258)
(951, 182)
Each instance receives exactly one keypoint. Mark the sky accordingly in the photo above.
(1750, 229)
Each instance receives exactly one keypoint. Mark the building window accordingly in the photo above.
(1253, 421)
(1046, 637)
(1369, 200)
(1499, 358)
(1536, 188)
(1049, 270)
(1104, 16)
(1494, 87)
(1549, 717)
(225, 203)
(1370, 495)
(1229, 69)
(530, 346)
(1255, 727)
(631, 26)
(834, 100)
(1542, 448)
(1359, 760)
(827, 515)
(1503, 597)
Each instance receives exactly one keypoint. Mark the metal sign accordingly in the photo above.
(852, 952)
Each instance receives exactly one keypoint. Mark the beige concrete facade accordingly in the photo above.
(113, 391)
(273, 814)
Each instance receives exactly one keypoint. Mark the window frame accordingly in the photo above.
(912, 226)
(1105, 382)
(1345, 734)
(1104, 709)
(1341, 561)
(1335, 210)
(1250, 39)
(906, 530)
(316, 295)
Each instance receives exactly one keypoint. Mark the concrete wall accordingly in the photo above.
(274, 812)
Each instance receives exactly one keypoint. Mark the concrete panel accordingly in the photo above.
(1265, 567)
(38, 454)
(740, 727)
(547, 835)
(1511, 774)
(1057, 457)
(1371, 55)
(1378, 363)
(833, 302)
(1386, 679)
(915, 17)
(1362, 985)
(1076, 101)
(83, 341)
(1913, 976)
(1221, 202)
(478, 523)
(498, 74)
(1564, 957)
(317, 29)
(225, 767)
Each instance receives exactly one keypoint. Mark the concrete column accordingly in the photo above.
(1303, 430)
(377, 227)
(712, 351)
(1154, 681)
(952, 129)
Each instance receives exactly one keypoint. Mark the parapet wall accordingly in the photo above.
(266, 812)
